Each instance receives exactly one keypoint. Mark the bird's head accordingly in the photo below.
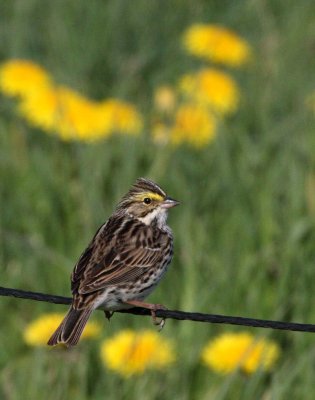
(147, 202)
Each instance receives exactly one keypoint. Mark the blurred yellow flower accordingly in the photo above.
(164, 98)
(63, 111)
(194, 125)
(41, 108)
(22, 77)
(131, 352)
(213, 88)
(231, 351)
(216, 43)
(39, 331)
(122, 117)
(72, 116)
(78, 117)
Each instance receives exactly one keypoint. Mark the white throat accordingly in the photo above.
(159, 214)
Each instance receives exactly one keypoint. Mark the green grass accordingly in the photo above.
(245, 232)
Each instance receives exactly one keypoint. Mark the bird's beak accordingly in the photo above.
(169, 203)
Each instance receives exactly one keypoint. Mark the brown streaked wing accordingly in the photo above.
(131, 265)
(114, 256)
(79, 268)
(96, 251)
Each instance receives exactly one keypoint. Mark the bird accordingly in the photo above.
(123, 263)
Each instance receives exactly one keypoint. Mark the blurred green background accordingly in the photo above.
(245, 232)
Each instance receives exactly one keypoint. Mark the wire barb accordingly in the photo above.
(173, 314)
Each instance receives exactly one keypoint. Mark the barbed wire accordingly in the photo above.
(173, 314)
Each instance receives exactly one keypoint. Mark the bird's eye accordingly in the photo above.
(147, 200)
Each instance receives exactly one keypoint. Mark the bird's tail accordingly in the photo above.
(71, 328)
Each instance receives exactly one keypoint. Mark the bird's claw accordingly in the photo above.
(108, 314)
(158, 322)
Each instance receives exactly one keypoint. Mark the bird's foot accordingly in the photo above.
(160, 322)
(108, 314)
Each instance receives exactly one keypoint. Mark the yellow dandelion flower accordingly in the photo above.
(194, 125)
(39, 331)
(131, 352)
(231, 351)
(22, 77)
(79, 117)
(121, 116)
(164, 99)
(41, 108)
(65, 112)
(212, 88)
(218, 44)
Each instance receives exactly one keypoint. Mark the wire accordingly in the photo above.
(173, 314)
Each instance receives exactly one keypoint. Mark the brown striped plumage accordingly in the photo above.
(124, 262)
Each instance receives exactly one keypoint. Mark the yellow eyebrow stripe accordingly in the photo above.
(153, 196)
